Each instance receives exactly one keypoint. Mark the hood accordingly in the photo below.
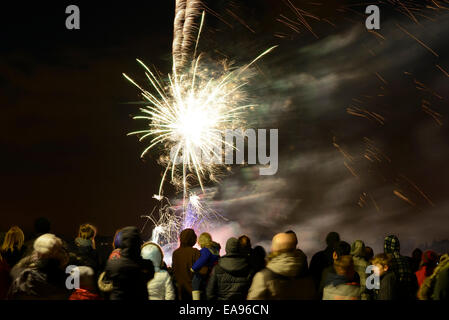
(236, 265)
(187, 238)
(232, 246)
(391, 245)
(358, 249)
(130, 243)
(287, 264)
(152, 252)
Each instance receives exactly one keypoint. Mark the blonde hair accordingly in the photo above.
(205, 240)
(88, 232)
(383, 259)
(14, 239)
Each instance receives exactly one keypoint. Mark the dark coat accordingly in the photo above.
(230, 279)
(320, 261)
(14, 256)
(83, 254)
(388, 287)
(38, 280)
(129, 274)
(183, 259)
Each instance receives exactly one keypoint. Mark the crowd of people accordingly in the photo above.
(46, 267)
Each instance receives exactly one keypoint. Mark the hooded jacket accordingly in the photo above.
(400, 265)
(129, 274)
(360, 263)
(231, 278)
(183, 259)
(161, 286)
(280, 280)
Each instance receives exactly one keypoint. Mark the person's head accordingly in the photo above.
(344, 266)
(130, 243)
(50, 247)
(283, 242)
(392, 245)
(244, 244)
(369, 253)
(417, 254)
(341, 249)
(205, 240)
(42, 226)
(381, 263)
(117, 239)
(14, 239)
(358, 249)
(87, 231)
(294, 234)
(232, 247)
(332, 239)
(152, 251)
(429, 259)
(187, 238)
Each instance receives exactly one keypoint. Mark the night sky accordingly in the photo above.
(66, 110)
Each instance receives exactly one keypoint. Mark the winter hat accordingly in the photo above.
(232, 246)
(358, 248)
(151, 251)
(392, 245)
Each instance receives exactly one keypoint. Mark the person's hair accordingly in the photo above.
(383, 259)
(332, 238)
(344, 265)
(369, 253)
(205, 240)
(14, 239)
(87, 231)
(244, 243)
(294, 233)
(417, 253)
(42, 225)
(342, 249)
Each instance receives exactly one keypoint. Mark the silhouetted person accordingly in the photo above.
(129, 274)
(342, 249)
(305, 268)
(323, 259)
(183, 259)
(415, 260)
(400, 265)
(257, 258)
(41, 226)
(13, 248)
(231, 278)
(280, 279)
(369, 254)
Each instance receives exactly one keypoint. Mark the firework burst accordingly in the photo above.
(188, 114)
